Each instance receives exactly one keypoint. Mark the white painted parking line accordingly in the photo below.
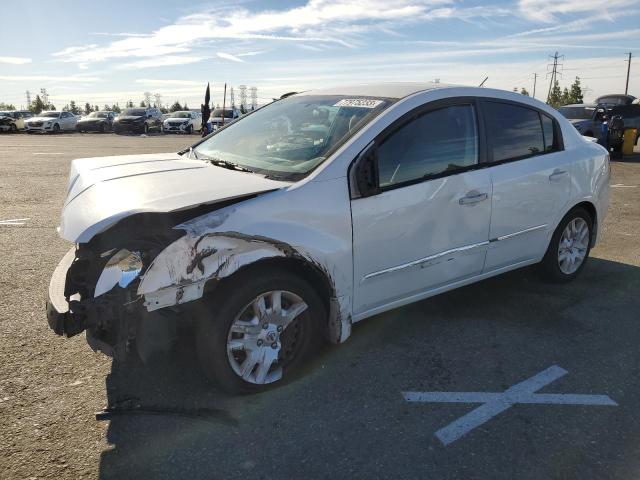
(14, 222)
(620, 185)
(48, 153)
(495, 403)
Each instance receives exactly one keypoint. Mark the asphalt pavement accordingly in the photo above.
(567, 357)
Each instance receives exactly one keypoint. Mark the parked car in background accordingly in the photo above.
(51, 122)
(96, 122)
(615, 100)
(13, 120)
(182, 122)
(230, 115)
(138, 120)
(271, 236)
(586, 118)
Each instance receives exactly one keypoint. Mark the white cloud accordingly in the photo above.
(47, 78)
(550, 10)
(167, 82)
(228, 56)
(161, 62)
(322, 22)
(15, 60)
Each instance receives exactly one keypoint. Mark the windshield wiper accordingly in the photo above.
(227, 164)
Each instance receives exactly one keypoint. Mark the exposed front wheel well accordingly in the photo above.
(302, 268)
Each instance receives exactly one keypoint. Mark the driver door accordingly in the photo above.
(425, 222)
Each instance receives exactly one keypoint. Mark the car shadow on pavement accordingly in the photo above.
(167, 421)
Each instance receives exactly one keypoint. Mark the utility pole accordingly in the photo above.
(224, 103)
(535, 78)
(243, 98)
(626, 88)
(554, 72)
(254, 97)
(232, 98)
(28, 99)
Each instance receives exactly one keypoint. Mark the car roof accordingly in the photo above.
(384, 90)
(590, 105)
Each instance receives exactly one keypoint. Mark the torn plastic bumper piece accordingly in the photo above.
(64, 317)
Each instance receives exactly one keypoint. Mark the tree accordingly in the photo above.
(7, 106)
(524, 91)
(107, 108)
(37, 105)
(87, 108)
(184, 107)
(142, 104)
(129, 104)
(116, 108)
(96, 108)
(575, 94)
(164, 109)
(73, 108)
(555, 96)
(176, 107)
(564, 98)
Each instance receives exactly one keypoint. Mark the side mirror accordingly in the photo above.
(364, 176)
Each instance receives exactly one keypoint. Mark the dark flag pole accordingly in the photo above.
(206, 112)
(224, 100)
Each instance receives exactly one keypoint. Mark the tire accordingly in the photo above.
(101, 129)
(14, 128)
(56, 128)
(223, 307)
(189, 129)
(551, 267)
(146, 128)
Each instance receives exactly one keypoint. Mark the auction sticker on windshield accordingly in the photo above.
(358, 102)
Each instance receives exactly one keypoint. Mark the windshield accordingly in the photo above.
(134, 112)
(180, 115)
(98, 115)
(50, 114)
(577, 113)
(290, 137)
(218, 113)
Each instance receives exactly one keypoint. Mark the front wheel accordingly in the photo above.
(258, 329)
(56, 128)
(569, 247)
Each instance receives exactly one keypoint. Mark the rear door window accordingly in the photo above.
(514, 132)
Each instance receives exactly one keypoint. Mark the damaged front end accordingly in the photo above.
(94, 287)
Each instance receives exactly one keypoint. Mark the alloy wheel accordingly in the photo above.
(264, 336)
(573, 246)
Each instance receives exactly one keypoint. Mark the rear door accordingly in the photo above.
(531, 181)
(428, 224)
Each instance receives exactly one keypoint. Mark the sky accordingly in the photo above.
(108, 52)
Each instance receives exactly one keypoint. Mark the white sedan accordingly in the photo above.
(318, 211)
(51, 122)
(182, 122)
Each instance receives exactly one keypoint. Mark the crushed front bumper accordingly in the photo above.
(61, 318)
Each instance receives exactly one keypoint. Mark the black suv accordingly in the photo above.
(138, 120)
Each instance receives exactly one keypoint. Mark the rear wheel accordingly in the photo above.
(257, 329)
(146, 128)
(14, 128)
(569, 247)
(56, 128)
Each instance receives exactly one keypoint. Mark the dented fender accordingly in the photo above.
(179, 274)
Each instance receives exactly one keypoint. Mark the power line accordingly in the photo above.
(554, 72)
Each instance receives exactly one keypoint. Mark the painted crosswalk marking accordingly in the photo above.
(496, 403)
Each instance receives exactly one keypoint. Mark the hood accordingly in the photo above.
(42, 119)
(104, 190)
(131, 117)
(91, 119)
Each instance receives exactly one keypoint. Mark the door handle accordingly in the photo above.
(557, 174)
(473, 199)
